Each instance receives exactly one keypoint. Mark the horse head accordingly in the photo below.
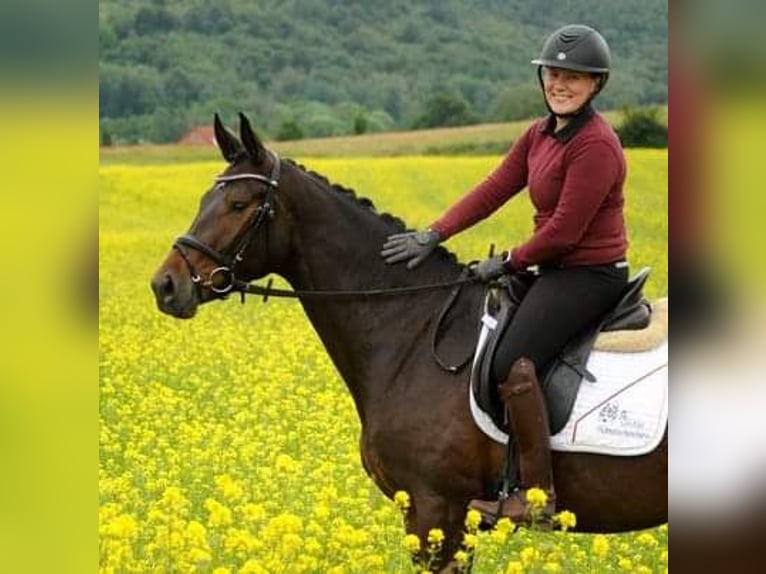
(235, 236)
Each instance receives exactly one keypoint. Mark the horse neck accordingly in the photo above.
(336, 246)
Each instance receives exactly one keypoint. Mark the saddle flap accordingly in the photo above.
(498, 309)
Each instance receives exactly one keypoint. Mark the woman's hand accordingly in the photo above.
(414, 245)
(492, 267)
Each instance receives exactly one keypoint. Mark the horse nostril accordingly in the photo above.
(167, 289)
(164, 288)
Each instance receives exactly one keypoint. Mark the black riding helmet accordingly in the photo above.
(575, 47)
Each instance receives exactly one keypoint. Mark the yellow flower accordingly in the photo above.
(253, 512)
(376, 561)
(286, 463)
(219, 514)
(435, 536)
(412, 543)
(566, 520)
(290, 543)
(646, 539)
(472, 520)
(600, 545)
(221, 571)
(312, 546)
(505, 525)
(553, 567)
(529, 554)
(470, 541)
(197, 555)
(625, 564)
(252, 567)
(537, 497)
(124, 526)
(462, 557)
(514, 568)
(229, 488)
(402, 500)
(321, 511)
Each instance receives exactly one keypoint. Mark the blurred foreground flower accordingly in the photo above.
(600, 545)
(472, 520)
(435, 536)
(402, 500)
(537, 497)
(566, 519)
(411, 543)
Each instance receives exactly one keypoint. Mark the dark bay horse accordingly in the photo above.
(265, 216)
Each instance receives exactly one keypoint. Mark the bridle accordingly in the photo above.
(222, 279)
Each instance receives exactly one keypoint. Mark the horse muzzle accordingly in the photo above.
(175, 295)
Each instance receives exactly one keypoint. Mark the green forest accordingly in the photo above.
(313, 68)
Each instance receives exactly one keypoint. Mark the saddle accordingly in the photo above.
(561, 380)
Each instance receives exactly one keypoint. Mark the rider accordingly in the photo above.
(573, 164)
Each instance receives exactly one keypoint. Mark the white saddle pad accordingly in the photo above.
(623, 413)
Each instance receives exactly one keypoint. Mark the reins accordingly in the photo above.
(267, 291)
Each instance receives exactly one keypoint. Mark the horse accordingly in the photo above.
(263, 216)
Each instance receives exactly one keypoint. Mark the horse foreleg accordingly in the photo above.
(431, 511)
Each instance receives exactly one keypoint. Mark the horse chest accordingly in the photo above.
(375, 466)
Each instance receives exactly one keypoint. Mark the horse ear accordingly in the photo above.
(253, 145)
(227, 141)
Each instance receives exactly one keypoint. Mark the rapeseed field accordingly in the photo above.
(228, 443)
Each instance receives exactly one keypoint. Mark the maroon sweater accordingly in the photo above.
(575, 180)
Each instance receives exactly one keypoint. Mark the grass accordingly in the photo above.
(481, 139)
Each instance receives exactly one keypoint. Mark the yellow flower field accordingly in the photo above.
(229, 443)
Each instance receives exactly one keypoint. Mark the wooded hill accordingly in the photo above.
(317, 68)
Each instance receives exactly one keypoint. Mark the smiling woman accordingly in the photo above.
(573, 164)
(567, 91)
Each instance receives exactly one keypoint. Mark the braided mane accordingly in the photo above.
(396, 223)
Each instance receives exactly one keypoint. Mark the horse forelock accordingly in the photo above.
(394, 223)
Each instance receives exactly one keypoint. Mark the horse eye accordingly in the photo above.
(238, 205)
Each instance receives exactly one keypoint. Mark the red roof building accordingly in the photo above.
(200, 135)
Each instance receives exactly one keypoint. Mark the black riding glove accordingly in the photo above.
(493, 267)
(414, 246)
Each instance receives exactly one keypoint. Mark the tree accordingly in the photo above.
(642, 128)
(153, 19)
(168, 124)
(360, 124)
(126, 91)
(519, 103)
(289, 130)
(106, 137)
(446, 108)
